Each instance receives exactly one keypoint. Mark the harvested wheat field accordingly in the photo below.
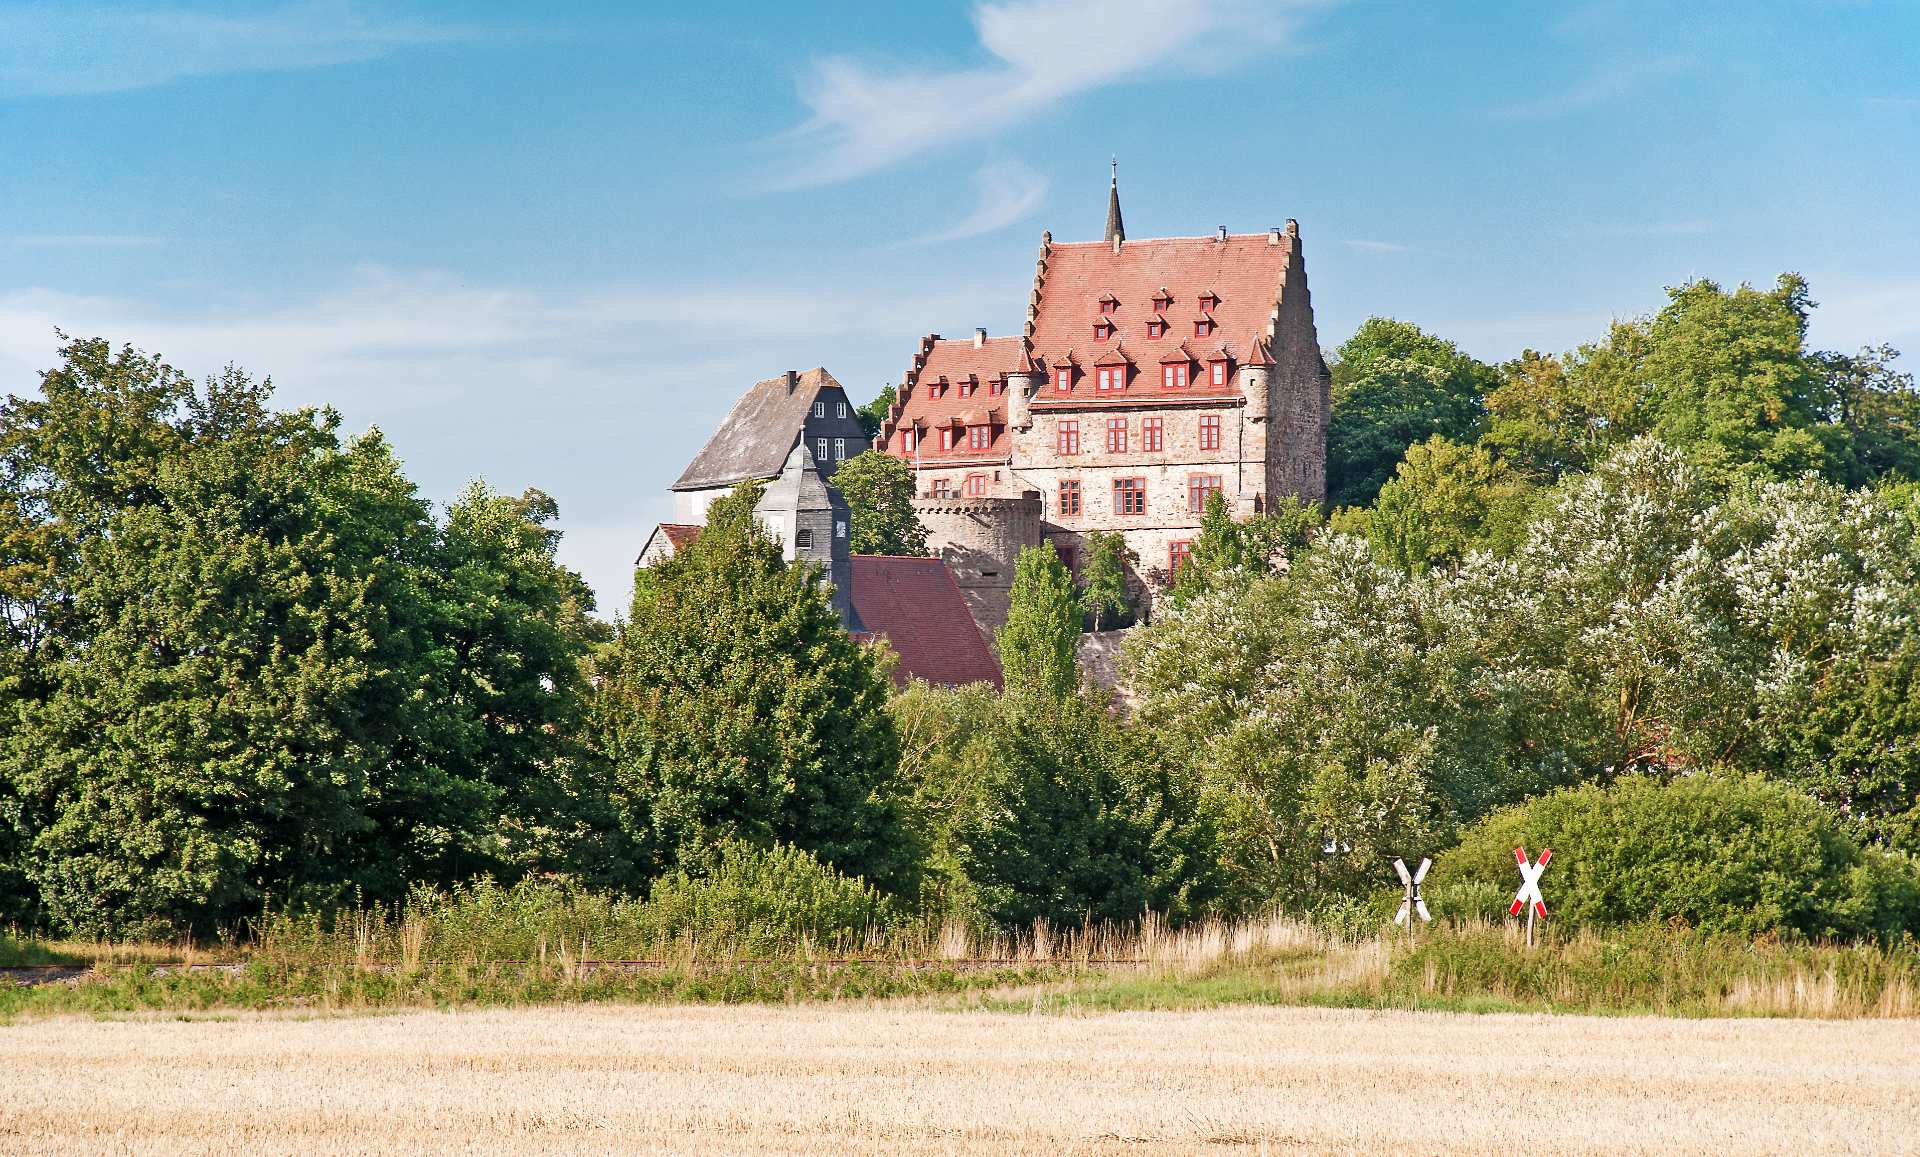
(830, 1079)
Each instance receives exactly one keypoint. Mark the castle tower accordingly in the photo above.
(809, 518)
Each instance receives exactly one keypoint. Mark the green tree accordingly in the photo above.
(1229, 551)
(1875, 407)
(239, 691)
(1552, 416)
(1080, 821)
(520, 628)
(873, 415)
(731, 704)
(1103, 579)
(1444, 500)
(1039, 644)
(879, 491)
(1394, 385)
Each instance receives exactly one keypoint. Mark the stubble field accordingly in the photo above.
(894, 1078)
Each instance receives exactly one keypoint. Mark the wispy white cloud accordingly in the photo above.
(1607, 82)
(863, 118)
(74, 49)
(79, 241)
(1004, 192)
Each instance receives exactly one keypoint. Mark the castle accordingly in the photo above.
(1149, 375)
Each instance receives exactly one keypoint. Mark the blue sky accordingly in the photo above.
(548, 244)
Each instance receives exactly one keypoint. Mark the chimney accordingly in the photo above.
(1273, 235)
(979, 336)
(793, 380)
(1223, 232)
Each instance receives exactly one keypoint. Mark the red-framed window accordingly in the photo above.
(1116, 435)
(942, 488)
(1063, 378)
(1162, 301)
(1102, 330)
(967, 388)
(996, 387)
(1108, 304)
(1207, 302)
(975, 485)
(1202, 326)
(1157, 327)
(1069, 496)
(937, 390)
(1110, 378)
(946, 437)
(1070, 436)
(1173, 377)
(1219, 373)
(1129, 495)
(908, 437)
(1199, 486)
(1209, 431)
(979, 437)
(1150, 430)
(1178, 552)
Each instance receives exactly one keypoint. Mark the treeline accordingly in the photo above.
(1673, 575)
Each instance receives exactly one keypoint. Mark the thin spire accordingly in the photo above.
(1116, 230)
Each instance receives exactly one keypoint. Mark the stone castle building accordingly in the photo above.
(800, 407)
(1149, 375)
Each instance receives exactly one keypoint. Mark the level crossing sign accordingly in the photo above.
(1530, 873)
(1412, 902)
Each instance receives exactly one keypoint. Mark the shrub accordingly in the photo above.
(1719, 852)
(754, 897)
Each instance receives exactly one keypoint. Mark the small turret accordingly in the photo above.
(1116, 229)
(810, 520)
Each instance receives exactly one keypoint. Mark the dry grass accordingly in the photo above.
(893, 1078)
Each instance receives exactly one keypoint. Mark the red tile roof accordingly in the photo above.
(680, 533)
(957, 361)
(1244, 271)
(915, 604)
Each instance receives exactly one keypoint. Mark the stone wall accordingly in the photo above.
(981, 539)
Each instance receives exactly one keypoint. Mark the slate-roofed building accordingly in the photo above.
(667, 538)
(762, 429)
(1150, 374)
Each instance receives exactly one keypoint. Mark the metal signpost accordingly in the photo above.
(1528, 896)
(1412, 904)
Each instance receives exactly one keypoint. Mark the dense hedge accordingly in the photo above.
(1718, 851)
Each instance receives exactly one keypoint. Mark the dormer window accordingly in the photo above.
(1108, 304)
(996, 387)
(946, 437)
(1162, 301)
(1203, 327)
(967, 387)
(1173, 377)
(1157, 327)
(1218, 372)
(1209, 301)
(1110, 378)
(1102, 330)
(1063, 378)
(909, 438)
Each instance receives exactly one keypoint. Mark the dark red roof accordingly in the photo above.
(915, 604)
(680, 533)
(1243, 271)
(957, 362)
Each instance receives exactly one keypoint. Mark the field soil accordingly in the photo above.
(892, 1078)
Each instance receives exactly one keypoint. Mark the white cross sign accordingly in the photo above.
(1530, 883)
(1412, 902)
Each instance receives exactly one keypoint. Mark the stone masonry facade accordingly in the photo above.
(1149, 373)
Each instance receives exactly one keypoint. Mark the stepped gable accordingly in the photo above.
(758, 433)
(916, 606)
(926, 406)
(1242, 272)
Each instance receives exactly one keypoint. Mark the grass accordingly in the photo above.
(489, 946)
